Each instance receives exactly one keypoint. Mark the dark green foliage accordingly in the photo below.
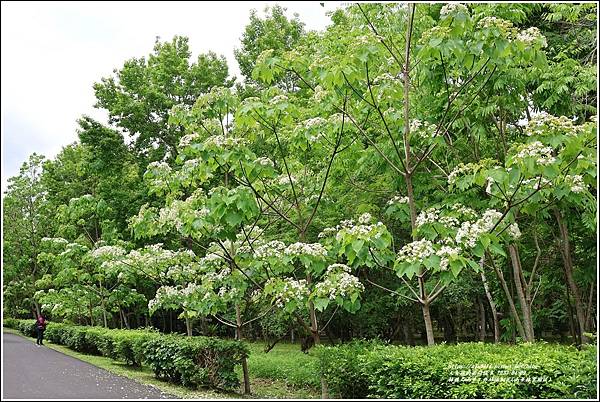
(360, 370)
(195, 361)
(191, 361)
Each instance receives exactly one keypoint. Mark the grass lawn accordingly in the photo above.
(284, 372)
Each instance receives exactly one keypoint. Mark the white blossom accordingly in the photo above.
(513, 231)
(532, 35)
(311, 249)
(108, 251)
(576, 183)
(469, 232)
(416, 251)
(430, 215)
(364, 218)
(188, 139)
(452, 8)
(264, 162)
(398, 200)
(273, 248)
(341, 284)
(537, 150)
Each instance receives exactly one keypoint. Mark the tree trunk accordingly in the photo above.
(481, 320)
(520, 288)
(589, 310)
(91, 311)
(238, 334)
(428, 324)
(568, 267)
(188, 326)
(511, 303)
(104, 313)
(490, 299)
(572, 330)
(125, 320)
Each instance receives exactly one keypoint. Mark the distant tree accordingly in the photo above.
(275, 32)
(140, 95)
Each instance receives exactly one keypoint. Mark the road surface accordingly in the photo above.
(32, 372)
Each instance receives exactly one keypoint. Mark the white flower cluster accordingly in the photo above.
(365, 218)
(357, 230)
(319, 94)
(262, 161)
(291, 290)
(531, 36)
(108, 252)
(311, 249)
(423, 129)
(337, 268)
(56, 241)
(336, 118)
(461, 169)
(469, 232)
(445, 252)
(494, 22)
(490, 183)
(576, 183)
(223, 141)
(453, 8)
(461, 209)
(189, 290)
(430, 215)
(543, 122)
(188, 139)
(397, 199)
(159, 166)
(436, 31)
(416, 251)
(384, 77)
(285, 179)
(169, 215)
(537, 150)
(537, 182)
(448, 221)
(314, 122)
(273, 248)
(341, 285)
(278, 99)
(514, 231)
(328, 232)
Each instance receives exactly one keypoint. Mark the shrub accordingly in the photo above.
(195, 361)
(11, 323)
(27, 327)
(537, 370)
(191, 361)
(340, 367)
(129, 345)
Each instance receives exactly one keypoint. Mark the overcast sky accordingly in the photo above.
(53, 52)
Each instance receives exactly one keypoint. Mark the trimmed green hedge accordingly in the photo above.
(469, 370)
(191, 361)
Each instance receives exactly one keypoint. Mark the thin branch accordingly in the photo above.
(224, 321)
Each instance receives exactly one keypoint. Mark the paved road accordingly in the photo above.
(32, 372)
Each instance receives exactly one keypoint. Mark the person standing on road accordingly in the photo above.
(40, 326)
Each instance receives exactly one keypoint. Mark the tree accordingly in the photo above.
(25, 223)
(140, 95)
(275, 31)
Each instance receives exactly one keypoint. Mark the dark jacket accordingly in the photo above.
(40, 323)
